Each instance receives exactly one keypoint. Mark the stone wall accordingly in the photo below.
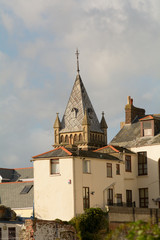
(47, 230)
(119, 215)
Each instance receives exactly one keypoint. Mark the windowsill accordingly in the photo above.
(109, 177)
(143, 175)
(55, 175)
(86, 173)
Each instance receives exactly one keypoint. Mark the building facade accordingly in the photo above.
(82, 171)
(141, 134)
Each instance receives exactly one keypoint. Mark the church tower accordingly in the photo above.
(80, 126)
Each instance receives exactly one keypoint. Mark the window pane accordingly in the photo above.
(86, 203)
(110, 196)
(128, 163)
(55, 166)
(86, 166)
(12, 233)
(142, 163)
(109, 170)
(119, 199)
(117, 169)
(147, 125)
(143, 197)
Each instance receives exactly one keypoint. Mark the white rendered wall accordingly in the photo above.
(150, 181)
(98, 182)
(52, 193)
(24, 212)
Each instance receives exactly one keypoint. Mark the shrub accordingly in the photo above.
(135, 231)
(91, 225)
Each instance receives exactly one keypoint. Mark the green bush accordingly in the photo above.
(136, 231)
(91, 225)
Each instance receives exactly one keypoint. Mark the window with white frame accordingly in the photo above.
(86, 166)
(54, 166)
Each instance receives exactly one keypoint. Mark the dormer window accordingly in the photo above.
(147, 126)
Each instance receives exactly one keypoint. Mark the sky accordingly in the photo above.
(119, 45)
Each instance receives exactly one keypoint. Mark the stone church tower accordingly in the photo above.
(80, 126)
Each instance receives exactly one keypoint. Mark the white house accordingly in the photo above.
(141, 134)
(72, 177)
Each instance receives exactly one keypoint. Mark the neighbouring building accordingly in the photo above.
(16, 190)
(141, 134)
(10, 224)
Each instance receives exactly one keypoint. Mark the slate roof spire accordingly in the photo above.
(75, 110)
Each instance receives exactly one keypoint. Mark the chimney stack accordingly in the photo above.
(132, 112)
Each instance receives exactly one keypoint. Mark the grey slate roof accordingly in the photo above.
(108, 149)
(10, 195)
(74, 113)
(12, 175)
(7, 174)
(129, 136)
(23, 173)
(64, 152)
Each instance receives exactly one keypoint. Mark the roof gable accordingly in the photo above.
(108, 148)
(149, 117)
(57, 152)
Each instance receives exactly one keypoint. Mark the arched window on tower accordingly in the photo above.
(75, 138)
(71, 139)
(95, 137)
(62, 139)
(80, 137)
(66, 139)
(91, 137)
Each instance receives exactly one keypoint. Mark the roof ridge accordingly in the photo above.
(45, 152)
(22, 168)
(63, 148)
(16, 182)
(110, 146)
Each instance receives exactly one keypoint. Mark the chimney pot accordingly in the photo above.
(128, 99)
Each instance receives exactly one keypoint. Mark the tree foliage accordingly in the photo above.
(136, 231)
(91, 225)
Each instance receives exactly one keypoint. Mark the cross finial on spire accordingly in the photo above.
(77, 53)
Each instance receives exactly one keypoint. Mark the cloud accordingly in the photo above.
(119, 56)
(7, 22)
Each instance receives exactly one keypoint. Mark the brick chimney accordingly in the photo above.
(132, 112)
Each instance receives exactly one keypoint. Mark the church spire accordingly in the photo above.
(80, 125)
(77, 54)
